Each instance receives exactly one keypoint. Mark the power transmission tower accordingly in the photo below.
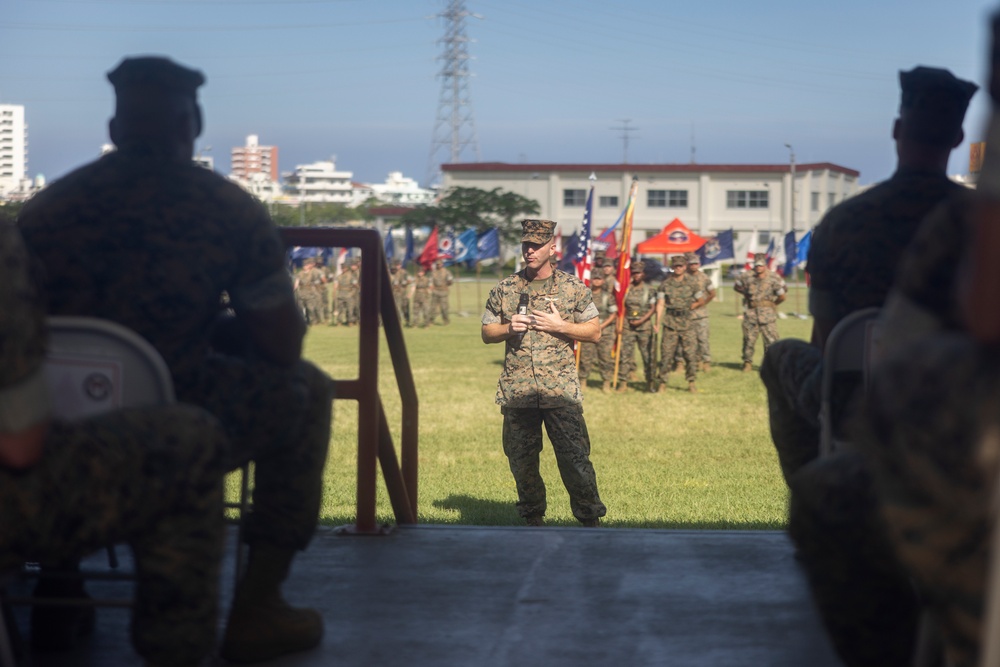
(455, 128)
(625, 128)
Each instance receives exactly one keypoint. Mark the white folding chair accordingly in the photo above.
(853, 346)
(95, 366)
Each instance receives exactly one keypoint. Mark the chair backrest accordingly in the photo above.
(95, 365)
(852, 346)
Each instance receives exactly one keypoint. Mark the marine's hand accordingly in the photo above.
(519, 323)
(550, 322)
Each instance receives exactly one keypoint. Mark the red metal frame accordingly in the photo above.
(374, 439)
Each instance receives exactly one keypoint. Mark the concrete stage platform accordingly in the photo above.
(463, 596)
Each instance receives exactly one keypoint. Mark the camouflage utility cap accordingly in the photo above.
(692, 258)
(678, 260)
(537, 231)
(638, 266)
(155, 72)
(934, 102)
(760, 259)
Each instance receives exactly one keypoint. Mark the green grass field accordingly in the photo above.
(673, 460)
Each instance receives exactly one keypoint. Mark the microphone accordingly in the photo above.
(522, 309)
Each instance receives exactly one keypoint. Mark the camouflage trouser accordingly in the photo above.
(683, 342)
(313, 307)
(439, 304)
(792, 372)
(865, 599)
(419, 316)
(402, 307)
(598, 355)
(354, 307)
(932, 407)
(751, 328)
(567, 430)
(279, 418)
(704, 352)
(151, 477)
(643, 339)
(324, 297)
(343, 309)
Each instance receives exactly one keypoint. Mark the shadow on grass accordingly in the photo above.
(481, 512)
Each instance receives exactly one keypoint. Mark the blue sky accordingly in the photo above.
(552, 79)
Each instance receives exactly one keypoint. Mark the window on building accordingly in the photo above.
(656, 198)
(814, 201)
(831, 199)
(574, 197)
(677, 198)
(608, 202)
(763, 239)
(746, 199)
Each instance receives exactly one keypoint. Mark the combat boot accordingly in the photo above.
(747, 366)
(691, 388)
(623, 387)
(262, 626)
(706, 366)
(591, 523)
(534, 520)
(606, 387)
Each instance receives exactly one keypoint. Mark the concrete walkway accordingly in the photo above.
(504, 597)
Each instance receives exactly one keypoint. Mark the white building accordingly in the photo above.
(401, 190)
(707, 198)
(13, 150)
(254, 159)
(319, 182)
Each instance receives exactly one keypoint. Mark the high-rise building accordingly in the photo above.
(13, 148)
(255, 159)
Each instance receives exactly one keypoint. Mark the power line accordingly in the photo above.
(625, 128)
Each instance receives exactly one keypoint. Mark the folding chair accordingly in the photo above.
(851, 348)
(95, 366)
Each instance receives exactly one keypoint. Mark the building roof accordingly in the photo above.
(390, 211)
(648, 168)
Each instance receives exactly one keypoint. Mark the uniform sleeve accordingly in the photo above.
(585, 309)
(262, 281)
(493, 314)
(24, 398)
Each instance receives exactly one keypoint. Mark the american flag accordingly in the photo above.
(584, 259)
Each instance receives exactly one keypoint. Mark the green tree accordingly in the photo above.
(462, 208)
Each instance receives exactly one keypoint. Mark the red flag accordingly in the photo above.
(624, 277)
(430, 252)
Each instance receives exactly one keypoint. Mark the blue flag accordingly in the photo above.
(570, 253)
(802, 252)
(717, 249)
(791, 253)
(488, 245)
(464, 249)
(408, 257)
(389, 245)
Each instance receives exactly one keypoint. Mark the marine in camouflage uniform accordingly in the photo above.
(539, 382)
(311, 286)
(421, 304)
(151, 477)
(400, 281)
(441, 280)
(924, 429)
(676, 297)
(637, 329)
(762, 292)
(699, 316)
(146, 238)
(600, 354)
(865, 597)
(348, 293)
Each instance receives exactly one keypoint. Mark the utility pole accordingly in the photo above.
(625, 128)
(454, 127)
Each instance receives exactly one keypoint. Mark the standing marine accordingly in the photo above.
(637, 329)
(441, 280)
(678, 295)
(539, 382)
(762, 290)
